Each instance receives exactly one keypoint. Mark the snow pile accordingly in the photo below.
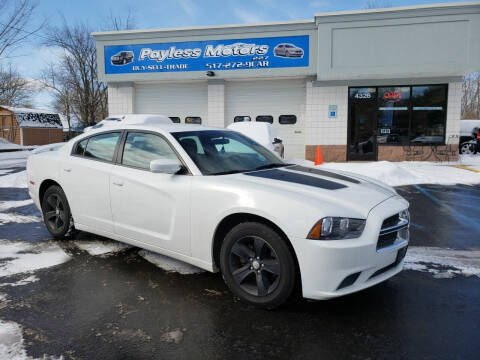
(100, 247)
(443, 263)
(13, 158)
(406, 172)
(21, 257)
(15, 180)
(169, 264)
(12, 344)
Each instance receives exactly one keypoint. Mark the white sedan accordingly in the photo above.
(217, 199)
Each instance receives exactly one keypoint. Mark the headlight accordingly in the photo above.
(335, 228)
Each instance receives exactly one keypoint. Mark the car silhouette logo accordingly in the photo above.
(122, 58)
(288, 51)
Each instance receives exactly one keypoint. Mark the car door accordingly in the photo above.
(85, 178)
(152, 208)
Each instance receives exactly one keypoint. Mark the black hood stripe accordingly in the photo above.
(323, 173)
(277, 174)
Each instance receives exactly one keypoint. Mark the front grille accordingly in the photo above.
(389, 231)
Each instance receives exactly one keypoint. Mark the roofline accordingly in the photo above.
(202, 27)
(437, 6)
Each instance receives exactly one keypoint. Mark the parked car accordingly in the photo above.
(287, 50)
(263, 133)
(219, 200)
(122, 58)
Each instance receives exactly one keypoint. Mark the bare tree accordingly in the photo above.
(115, 22)
(15, 23)
(14, 89)
(75, 73)
(471, 96)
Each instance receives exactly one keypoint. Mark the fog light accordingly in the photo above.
(404, 234)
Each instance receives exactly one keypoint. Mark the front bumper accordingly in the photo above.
(326, 266)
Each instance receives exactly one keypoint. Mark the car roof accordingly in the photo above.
(161, 128)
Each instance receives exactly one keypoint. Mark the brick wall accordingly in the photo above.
(418, 153)
(42, 136)
(330, 153)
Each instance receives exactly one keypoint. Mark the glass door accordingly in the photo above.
(362, 120)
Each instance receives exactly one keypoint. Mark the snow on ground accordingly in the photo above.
(18, 218)
(17, 257)
(6, 205)
(17, 180)
(443, 263)
(14, 158)
(7, 145)
(101, 247)
(12, 345)
(409, 172)
(169, 264)
(26, 280)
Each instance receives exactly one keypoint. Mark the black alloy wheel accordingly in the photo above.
(56, 212)
(257, 265)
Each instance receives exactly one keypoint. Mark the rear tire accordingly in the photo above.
(56, 213)
(257, 265)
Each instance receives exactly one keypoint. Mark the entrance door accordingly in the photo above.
(362, 118)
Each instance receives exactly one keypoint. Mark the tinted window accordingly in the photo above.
(193, 120)
(393, 114)
(102, 147)
(175, 119)
(265, 118)
(428, 114)
(242, 118)
(141, 148)
(80, 148)
(287, 119)
(218, 152)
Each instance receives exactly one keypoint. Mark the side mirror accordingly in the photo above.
(165, 166)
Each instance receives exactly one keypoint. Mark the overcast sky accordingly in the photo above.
(31, 58)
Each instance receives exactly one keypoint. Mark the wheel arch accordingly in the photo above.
(228, 222)
(43, 188)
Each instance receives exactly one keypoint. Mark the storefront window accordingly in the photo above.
(393, 114)
(428, 114)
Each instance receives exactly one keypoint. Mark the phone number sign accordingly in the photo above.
(215, 55)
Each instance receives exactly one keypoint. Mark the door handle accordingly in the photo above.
(118, 183)
(67, 169)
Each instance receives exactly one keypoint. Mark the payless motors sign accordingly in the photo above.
(217, 55)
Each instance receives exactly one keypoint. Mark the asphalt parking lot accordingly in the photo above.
(119, 305)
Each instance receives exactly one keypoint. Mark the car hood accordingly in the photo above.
(349, 191)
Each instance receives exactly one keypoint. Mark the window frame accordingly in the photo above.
(115, 152)
(410, 114)
(193, 123)
(123, 140)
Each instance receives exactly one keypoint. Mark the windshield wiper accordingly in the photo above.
(269, 166)
(229, 172)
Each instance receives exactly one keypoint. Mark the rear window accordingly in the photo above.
(193, 120)
(287, 119)
(102, 147)
(264, 118)
(241, 118)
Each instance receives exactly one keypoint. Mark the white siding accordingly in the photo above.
(271, 97)
(172, 99)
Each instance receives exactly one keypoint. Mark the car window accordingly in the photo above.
(241, 118)
(264, 118)
(102, 147)
(80, 147)
(287, 119)
(141, 148)
(288, 46)
(193, 120)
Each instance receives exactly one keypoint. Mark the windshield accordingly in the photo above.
(218, 152)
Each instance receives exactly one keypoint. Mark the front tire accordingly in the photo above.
(56, 212)
(257, 265)
(467, 149)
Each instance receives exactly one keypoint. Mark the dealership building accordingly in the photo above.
(382, 84)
